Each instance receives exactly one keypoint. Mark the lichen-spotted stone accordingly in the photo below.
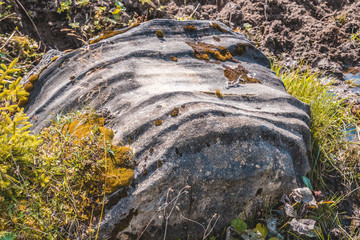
(225, 143)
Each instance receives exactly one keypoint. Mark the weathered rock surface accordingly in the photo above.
(249, 137)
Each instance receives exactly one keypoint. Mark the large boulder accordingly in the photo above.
(210, 124)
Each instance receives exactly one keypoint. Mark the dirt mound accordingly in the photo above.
(324, 33)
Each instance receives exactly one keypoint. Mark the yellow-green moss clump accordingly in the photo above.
(23, 102)
(190, 28)
(28, 86)
(174, 112)
(233, 75)
(158, 122)
(159, 34)
(218, 93)
(203, 50)
(121, 155)
(118, 177)
(107, 133)
(33, 78)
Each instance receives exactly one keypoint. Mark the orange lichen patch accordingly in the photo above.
(217, 26)
(23, 102)
(158, 122)
(28, 86)
(203, 50)
(174, 112)
(107, 133)
(173, 58)
(122, 155)
(108, 34)
(68, 50)
(118, 177)
(54, 58)
(190, 28)
(159, 34)
(239, 75)
(218, 93)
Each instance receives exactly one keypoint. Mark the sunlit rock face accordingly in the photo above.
(203, 112)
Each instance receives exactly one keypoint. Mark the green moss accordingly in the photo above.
(159, 34)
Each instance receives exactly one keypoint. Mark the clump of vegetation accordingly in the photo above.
(218, 27)
(332, 153)
(158, 122)
(53, 183)
(218, 93)
(203, 50)
(174, 112)
(190, 28)
(159, 34)
(174, 59)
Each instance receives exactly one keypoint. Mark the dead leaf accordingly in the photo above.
(304, 195)
(289, 210)
(303, 226)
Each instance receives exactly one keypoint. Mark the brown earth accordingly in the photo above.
(317, 31)
(320, 32)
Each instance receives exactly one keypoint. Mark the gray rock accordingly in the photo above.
(253, 140)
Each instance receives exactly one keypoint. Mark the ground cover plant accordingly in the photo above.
(53, 183)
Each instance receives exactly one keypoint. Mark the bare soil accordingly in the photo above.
(317, 31)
